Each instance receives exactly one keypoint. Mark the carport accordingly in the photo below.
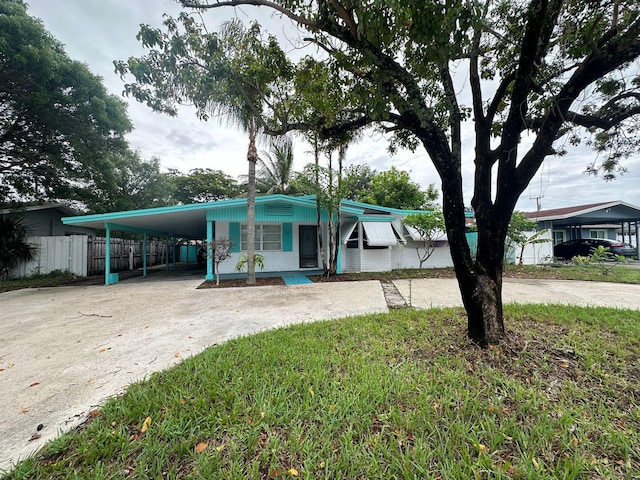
(574, 220)
(189, 222)
(223, 218)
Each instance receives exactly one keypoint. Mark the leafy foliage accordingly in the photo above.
(127, 182)
(203, 185)
(430, 226)
(275, 170)
(394, 188)
(57, 122)
(522, 232)
(14, 247)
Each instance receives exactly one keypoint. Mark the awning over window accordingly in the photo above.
(347, 230)
(438, 235)
(398, 232)
(413, 233)
(379, 234)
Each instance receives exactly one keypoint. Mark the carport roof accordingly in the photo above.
(591, 214)
(186, 221)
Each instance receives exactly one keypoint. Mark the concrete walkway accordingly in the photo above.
(428, 293)
(64, 350)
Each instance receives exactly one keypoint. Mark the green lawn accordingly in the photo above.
(398, 395)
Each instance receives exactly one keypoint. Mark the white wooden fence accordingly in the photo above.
(82, 255)
(55, 253)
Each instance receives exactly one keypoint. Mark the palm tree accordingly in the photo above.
(276, 168)
(13, 243)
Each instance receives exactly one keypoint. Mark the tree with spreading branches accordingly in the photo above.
(58, 123)
(227, 74)
(541, 75)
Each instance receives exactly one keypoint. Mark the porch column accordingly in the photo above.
(144, 255)
(173, 250)
(166, 253)
(209, 250)
(637, 241)
(107, 255)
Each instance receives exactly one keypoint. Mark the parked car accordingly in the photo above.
(585, 247)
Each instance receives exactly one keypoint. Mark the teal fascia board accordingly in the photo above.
(105, 217)
(376, 218)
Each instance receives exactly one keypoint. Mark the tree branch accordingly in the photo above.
(257, 3)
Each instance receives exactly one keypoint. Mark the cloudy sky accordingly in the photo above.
(98, 32)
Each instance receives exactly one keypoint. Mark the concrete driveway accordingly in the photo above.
(64, 350)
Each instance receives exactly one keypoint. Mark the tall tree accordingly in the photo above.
(127, 182)
(57, 121)
(357, 180)
(394, 188)
(203, 185)
(228, 74)
(546, 71)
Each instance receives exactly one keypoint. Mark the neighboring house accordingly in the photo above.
(371, 238)
(58, 246)
(46, 220)
(613, 220)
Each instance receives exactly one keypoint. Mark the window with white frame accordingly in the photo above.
(597, 234)
(558, 237)
(268, 237)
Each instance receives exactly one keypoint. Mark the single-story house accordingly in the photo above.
(372, 238)
(613, 220)
(45, 220)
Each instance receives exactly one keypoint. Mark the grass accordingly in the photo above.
(398, 395)
(608, 272)
(53, 279)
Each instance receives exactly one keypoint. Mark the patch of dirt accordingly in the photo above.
(242, 282)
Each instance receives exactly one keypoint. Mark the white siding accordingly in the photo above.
(350, 259)
(378, 260)
(406, 256)
(273, 261)
(55, 253)
(538, 252)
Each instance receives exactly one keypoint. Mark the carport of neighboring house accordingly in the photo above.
(286, 229)
(612, 220)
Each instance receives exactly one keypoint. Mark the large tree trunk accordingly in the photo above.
(479, 279)
(252, 157)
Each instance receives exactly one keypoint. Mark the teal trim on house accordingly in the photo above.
(144, 256)
(229, 214)
(368, 206)
(234, 236)
(376, 218)
(287, 237)
(472, 240)
(209, 256)
(107, 255)
(126, 228)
